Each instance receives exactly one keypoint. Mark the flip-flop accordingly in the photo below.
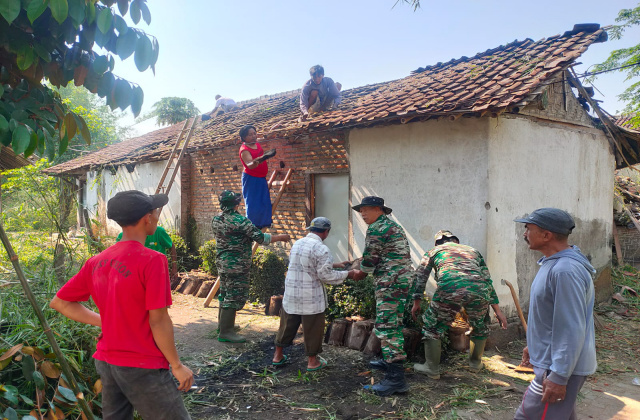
(323, 364)
(282, 361)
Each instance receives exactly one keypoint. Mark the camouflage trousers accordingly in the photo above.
(234, 290)
(445, 306)
(391, 299)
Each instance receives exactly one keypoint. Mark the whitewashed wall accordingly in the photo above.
(474, 176)
(102, 185)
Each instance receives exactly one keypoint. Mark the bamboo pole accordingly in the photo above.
(43, 322)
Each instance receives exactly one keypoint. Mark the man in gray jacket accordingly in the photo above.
(561, 338)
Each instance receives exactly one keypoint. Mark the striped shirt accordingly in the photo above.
(310, 267)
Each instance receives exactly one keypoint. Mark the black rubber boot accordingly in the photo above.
(476, 349)
(431, 366)
(378, 364)
(393, 382)
(227, 332)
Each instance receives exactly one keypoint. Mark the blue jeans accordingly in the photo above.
(152, 392)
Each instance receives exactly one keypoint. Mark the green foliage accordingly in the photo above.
(267, 275)
(55, 40)
(34, 366)
(352, 298)
(172, 110)
(30, 198)
(186, 260)
(208, 254)
(627, 18)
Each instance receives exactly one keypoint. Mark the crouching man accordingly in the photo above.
(463, 281)
(305, 299)
(130, 286)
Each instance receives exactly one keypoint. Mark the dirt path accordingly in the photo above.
(238, 381)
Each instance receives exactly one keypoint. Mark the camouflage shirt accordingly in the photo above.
(386, 249)
(234, 235)
(456, 267)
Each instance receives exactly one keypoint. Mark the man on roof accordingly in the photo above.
(224, 105)
(319, 93)
(463, 281)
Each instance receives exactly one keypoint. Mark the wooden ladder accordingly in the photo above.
(272, 182)
(176, 165)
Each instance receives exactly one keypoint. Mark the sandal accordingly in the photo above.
(323, 364)
(282, 361)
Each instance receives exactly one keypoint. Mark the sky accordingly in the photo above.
(245, 49)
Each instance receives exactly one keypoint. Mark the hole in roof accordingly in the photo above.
(281, 164)
(201, 171)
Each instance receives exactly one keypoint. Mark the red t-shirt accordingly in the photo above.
(126, 281)
(261, 170)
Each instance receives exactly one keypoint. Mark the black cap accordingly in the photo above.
(127, 207)
(372, 201)
(551, 219)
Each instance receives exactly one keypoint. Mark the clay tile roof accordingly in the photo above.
(625, 121)
(486, 82)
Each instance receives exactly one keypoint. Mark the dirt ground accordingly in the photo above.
(238, 381)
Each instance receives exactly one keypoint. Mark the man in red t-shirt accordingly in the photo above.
(130, 286)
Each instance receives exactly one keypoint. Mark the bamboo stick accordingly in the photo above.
(43, 322)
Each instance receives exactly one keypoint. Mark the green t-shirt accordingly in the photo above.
(160, 241)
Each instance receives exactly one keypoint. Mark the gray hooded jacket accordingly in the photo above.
(561, 335)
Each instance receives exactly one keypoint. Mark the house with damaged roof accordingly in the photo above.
(467, 145)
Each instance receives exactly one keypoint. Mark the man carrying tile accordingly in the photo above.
(319, 93)
(387, 256)
(561, 336)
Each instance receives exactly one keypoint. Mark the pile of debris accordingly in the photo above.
(629, 192)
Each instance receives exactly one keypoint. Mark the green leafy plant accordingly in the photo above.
(352, 298)
(55, 40)
(268, 271)
(208, 254)
(186, 260)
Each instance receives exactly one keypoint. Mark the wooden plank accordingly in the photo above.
(173, 153)
(616, 242)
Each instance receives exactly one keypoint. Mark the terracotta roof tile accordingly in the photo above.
(493, 80)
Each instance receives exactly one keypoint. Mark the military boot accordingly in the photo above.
(431, 366)
(476, 349)
(393, 381)
(227, 332)
(378, 364)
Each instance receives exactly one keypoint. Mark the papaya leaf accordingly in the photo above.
(144, 53)
(59, 10)
(134, 11)
(36, 8)
(10, 9)
(20, 141)
(38, 379)
(126, 44)
(105, 19)
(10, 414)
(123, 6)
(146, 14)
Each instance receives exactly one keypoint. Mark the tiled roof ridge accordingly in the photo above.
(295, 92)
(515, 43)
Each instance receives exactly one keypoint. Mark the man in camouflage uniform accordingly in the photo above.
(463, 281)
(387, 257)
(234, 235)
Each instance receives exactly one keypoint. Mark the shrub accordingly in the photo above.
(352, 298)
(267, 275)
(186, 260)
(208, 255)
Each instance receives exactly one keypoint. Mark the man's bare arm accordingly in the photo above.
(76, 311)
(162, 330)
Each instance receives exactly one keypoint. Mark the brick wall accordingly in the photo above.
(630, 244)
(220, 168)
(561, 105)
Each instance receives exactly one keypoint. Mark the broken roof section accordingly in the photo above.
(497, 80)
